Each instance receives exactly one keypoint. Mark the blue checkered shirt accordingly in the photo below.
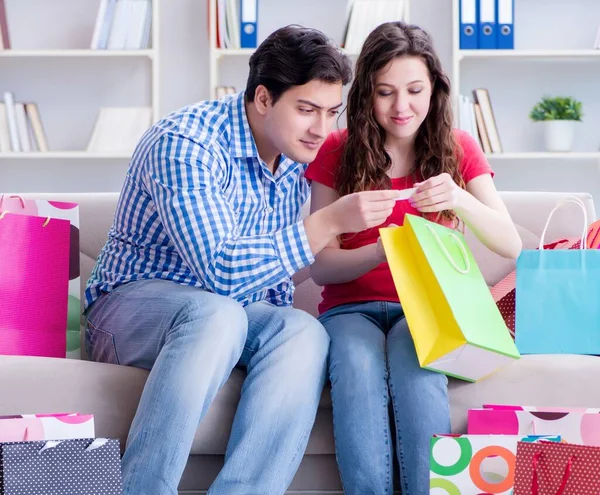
(200, 208)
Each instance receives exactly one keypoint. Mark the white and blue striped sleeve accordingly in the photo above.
(199, 219)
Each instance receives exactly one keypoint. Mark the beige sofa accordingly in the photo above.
(111, 392)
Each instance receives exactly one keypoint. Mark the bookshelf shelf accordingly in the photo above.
(53, 155)
(76, 53)
(247, 52)
(231, 52)
(24, 66)
(528, 54)
(552, 57)
(533, 155)
(218, 55)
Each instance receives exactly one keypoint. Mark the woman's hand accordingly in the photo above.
(436, 194)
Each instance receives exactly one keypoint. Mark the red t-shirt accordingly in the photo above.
(378, 285)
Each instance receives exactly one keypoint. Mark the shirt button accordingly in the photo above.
(268, 209)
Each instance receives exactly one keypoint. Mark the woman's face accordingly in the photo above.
(402, 97)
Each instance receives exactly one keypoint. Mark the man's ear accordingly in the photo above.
(262, 99)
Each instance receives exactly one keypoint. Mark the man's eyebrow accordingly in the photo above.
(318, 107)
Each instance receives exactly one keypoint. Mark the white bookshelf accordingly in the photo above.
(68, 39)
(565, 63)
(550, 55)
(64, 155)
(288, 13)
(77, 53)
(542, 155)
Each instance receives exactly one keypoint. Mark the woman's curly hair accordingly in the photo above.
(365, 162)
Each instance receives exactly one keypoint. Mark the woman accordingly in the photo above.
(399, 136)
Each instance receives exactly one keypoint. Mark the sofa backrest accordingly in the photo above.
(529, 211)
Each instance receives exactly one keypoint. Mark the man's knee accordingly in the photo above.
(219, 318)
(310, 341)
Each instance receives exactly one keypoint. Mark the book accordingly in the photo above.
(4, 133)
(4, 37)
(482, 98)
(11, 119)
(22, 127)
(35, 122)
(118, 129)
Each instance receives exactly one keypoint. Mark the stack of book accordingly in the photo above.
(486, 24)
(122, 25)
(118, 129)
(21, 128)
(366, 15)
(476, 117)
(237, 23)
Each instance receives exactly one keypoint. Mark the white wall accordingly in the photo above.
(69, 91)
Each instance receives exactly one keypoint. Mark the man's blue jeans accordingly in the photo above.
(191, 340)
(372, 360)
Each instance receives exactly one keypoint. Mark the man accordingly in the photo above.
(196, 275)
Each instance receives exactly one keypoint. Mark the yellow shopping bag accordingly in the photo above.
(454, 322)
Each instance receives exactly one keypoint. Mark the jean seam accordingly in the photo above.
(334, 437)
(385, 317)
(400, 446)
(387, 436)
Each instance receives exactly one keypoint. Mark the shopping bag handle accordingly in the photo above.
(463, 251)
(10, 197)
(565, 478)
(96, 444)
(6, 212)
(578, 202)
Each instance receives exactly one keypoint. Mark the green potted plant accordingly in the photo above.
(559, 115)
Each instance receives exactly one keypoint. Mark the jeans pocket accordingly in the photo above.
(100, 345)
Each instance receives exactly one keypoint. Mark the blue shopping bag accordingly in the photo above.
(558, 297)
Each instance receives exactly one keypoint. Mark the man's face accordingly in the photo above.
(301, 119)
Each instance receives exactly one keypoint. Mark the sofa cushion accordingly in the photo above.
(111, 393)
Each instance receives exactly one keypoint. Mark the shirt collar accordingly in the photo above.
(242, 144)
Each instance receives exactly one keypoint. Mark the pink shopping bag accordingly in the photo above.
(34, 279)
(30, 427)
(574, 425)
(65, 211)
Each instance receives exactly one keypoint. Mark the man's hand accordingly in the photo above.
(349, 214)
(360, 211)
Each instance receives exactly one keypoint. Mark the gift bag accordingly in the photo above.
(472, 464)
(557, 294)
(557, 469)
(453, 319)
(64, 211)
(68, 467)
(34, 282)
(27, 427)
(574, 425)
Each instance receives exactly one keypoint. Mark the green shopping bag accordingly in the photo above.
(453, 319)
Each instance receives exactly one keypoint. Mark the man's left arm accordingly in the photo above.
(199, 220)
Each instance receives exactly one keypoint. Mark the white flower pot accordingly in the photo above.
(559, 134)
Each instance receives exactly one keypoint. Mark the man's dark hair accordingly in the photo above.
(293, 56)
